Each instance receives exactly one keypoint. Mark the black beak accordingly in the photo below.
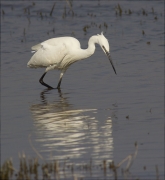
(109, 57)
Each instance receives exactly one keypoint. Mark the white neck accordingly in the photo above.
(91, 45)
(85, 53)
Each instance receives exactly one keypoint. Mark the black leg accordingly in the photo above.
(42, 82)
(61, 75)
(59, 83)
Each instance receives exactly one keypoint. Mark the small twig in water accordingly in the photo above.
(52, 9)
(130, 159)
(34, 149)
(157, 172)
(70, 6)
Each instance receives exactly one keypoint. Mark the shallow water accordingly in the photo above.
(97, 115)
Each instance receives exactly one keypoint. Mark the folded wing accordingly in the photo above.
(47, 55)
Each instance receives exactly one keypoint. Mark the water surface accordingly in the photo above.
(97, 115)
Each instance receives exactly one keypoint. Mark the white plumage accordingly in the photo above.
(60, 53)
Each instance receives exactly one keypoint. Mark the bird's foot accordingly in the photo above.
(50, 88)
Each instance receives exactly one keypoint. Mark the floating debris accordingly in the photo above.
(24, 10)
(28, 11)
(24, 32)
(41, 15)
(70, 6)
(64, 13)
(72, 34)
(52, 9)
(152, 10)
(129, 12)
(143, 12)
(118, 10)
(155, 18)
(105, 25)
(157, 172)
(85, 28)
(127, 117)
(3, 12)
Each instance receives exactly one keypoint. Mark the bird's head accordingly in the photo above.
(104, 44)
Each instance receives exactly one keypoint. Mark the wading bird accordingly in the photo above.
(59, 53)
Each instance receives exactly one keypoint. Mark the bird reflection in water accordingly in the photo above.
(66, 132)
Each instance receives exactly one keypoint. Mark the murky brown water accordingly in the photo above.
(97, 115)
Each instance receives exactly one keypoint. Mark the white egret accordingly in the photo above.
(59, 53)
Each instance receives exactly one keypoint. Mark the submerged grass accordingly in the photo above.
(32, 168)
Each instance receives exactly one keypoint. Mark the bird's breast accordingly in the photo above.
(67, 61)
